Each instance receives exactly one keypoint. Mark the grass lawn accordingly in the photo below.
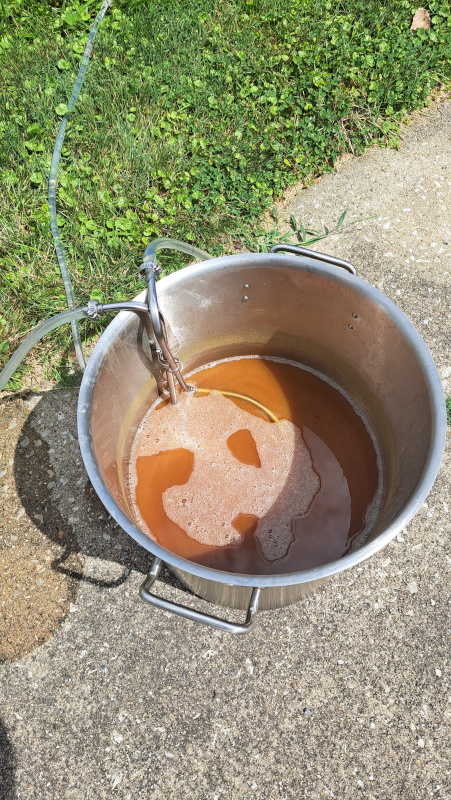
(193, 118)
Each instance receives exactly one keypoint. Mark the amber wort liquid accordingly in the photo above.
(342, 455)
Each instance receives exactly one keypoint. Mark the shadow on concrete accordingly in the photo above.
(7, 765)
(106, 540)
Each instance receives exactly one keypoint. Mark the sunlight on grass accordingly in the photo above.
(193, 119)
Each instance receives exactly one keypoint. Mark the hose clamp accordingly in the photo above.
(151, 269)
(165, 364)
(94, 309)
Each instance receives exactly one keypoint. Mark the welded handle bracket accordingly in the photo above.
(191, 613)
(304, 251)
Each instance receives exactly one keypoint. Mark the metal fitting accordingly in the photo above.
(165, 364)
(151, 269)
(94, 309)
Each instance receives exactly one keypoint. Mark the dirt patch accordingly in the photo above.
(35, 591)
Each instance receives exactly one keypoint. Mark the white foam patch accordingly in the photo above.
(374, 508)
(221, 487)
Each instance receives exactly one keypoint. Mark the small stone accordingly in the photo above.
(438, 672)
(25, 442)
(412, 587)
(420, 743)
(249, 667)
(116, 780)
(421, 19)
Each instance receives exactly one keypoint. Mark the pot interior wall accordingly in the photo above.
(320, 317)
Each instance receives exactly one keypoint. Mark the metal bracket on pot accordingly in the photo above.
(191, 613)
(304, 251)
(168, 362)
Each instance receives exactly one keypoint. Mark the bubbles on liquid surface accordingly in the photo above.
(343, 452)
(282, 487)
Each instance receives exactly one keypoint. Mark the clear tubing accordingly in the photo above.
(149, 261)
(150, 253)
(52, 183)
(245, 397)
(45, 327)
(74, 314)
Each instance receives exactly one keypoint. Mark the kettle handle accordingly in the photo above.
(191, 613)
(304, 251)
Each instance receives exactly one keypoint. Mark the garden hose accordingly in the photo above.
(52, 183)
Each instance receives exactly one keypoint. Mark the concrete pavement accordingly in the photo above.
(344, 695)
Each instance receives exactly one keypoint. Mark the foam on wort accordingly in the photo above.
(221, 488)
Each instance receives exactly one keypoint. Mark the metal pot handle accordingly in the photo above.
(190, 613)
(304, 251)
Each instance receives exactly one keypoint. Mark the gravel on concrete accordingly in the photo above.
(344, 695)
